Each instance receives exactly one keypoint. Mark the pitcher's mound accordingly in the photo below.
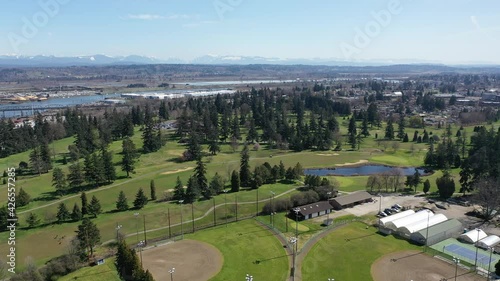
(416, 266)
(192, 260)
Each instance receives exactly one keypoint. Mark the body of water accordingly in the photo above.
(364, 170)
(242, 82)
(32, 106)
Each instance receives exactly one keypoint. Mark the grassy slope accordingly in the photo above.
(155, 165)
(107, 272)
(334, 257)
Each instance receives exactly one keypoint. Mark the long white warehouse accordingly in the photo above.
(407, 230)
(384, 221)
(420, 215)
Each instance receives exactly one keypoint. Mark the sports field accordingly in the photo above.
(467, 253)
(348, 253)
(417, 266)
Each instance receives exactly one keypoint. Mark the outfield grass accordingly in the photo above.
(248, 248)
(335, 257)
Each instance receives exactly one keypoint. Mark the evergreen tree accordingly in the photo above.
(245, 175)
(75, 175)
(129, 156)
(59, 181)
(405, 139)
(282, 170)
(109, 167)
(22, 198)
(150, 137)
(152, 189)
(32, 220)
(401, 127)
(216, 184)
(121, 203)
(85, 204)
(178, 190)
(192, 191)
(252, 132)
(94, 207)
(352, 132)
(389, 130)
(445, 185)
(201, 179)
(235, 181)
(497, 268)
(88, 236)
(163, 112)
(76, 214)
(140, 199)
(364, 126)
(415, 136)
(62, 213)
(36, 162)
(194, 151)
(214, 147)
(427, 186)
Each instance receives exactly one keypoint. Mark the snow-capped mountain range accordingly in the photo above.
(102, 60)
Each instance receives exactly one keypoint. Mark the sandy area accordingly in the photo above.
(417, 266)
(192, 260)
(327, 154)
(352, 164)
(177, 171)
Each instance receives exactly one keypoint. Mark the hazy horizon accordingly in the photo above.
(458, 32)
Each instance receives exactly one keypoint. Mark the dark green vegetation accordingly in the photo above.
(254, 143)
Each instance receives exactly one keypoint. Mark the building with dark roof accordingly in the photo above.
(311, 211)
(351, 200)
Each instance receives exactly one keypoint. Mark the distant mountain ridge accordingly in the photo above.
(103, 60)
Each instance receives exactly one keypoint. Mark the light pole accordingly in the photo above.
(272, 209)
(118, 227)
(489, 264)
(477, 241)
(137, 225)
(249, 278)
(293, 240)
(171, 271)
(296, 210)
(215, 219)
(329, 193)
(427, 231)
(141, 245)
(225, 205)
(456, 261)
(182, 230)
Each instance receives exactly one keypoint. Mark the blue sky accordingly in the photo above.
(449, 31)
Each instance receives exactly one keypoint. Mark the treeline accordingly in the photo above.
(297, 121)
(128, 265)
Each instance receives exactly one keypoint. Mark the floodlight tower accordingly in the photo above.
(171, 271)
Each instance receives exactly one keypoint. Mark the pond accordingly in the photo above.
(363, 170)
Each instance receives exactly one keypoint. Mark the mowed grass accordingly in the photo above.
(163, 167)
(107, 272)
(341, 259)
(248, 248)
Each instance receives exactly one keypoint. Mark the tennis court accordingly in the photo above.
(466, 253)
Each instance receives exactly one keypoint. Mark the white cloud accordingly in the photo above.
(475, 23)
(145, 17)
(180, 17)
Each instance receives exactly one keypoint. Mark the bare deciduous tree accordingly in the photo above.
(488, 197)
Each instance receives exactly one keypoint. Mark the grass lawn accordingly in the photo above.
(334, 257)
(107, 272)
(248, 248)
